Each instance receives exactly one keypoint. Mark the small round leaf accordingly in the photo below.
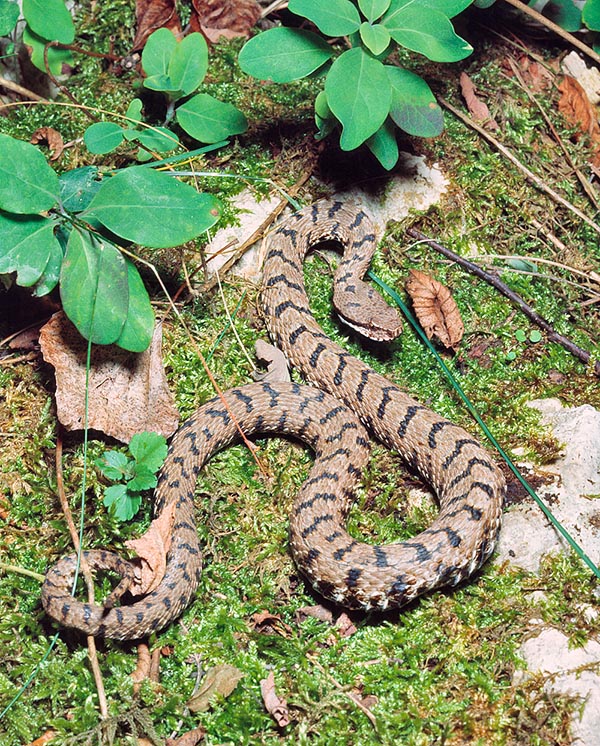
(102, 137)
(208, 120)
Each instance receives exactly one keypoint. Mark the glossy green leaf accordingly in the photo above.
(134, 110)
(56, 57)
(143, 479)
(189, 63)
(123, 504)
(9, 15)
(324, 118)
(51, 274)
(158, 51)
(414, 107)
(164, 84)
(102, 137)
(78, 187)
(359, 94)
(209, 120)
(50, 20)
(93, 287)
(160, 139)
(27, 244)
(384, 146)
(373, 9)
(137, 331)
(152, 208)
(27, 183)
(284, 54)
(565, 14)
(591, 14)
(375, 37)
(449, 8)
(333, 17)
(115, 465)
(149, 449)
(428, 32)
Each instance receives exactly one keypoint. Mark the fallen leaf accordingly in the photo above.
(274, 705)
(191, 738)
(270, 624)
(316, 612)
(477, 108)
(368, 701)
(224, 18)
(151, 15)
(151, 549)
(50, 137)
(128, 391)
(578, 111)
(44, 738)
(345, 625)
(435, 308)
(275, 360)
(219, 680)
(536, 77)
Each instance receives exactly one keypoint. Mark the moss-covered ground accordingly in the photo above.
(441, 671)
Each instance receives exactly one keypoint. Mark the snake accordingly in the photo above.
(343, 400)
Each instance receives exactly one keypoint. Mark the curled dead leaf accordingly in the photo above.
(435, 308)
(50, 137)
(151, 549)
(579, 112)
(224, 18)
(152, 15)
(319, 612)
(270, 624)
(274, 705)
(345, 625)
(477, 108)
(191, 738)
(219, 680)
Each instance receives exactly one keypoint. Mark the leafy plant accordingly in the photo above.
(365, 97)
(134, 475)
(175, 69)
(68, 229)
(534, 337)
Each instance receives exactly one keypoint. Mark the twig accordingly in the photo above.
(555, 28)
(16, 88)
(535, 180)
(59, 85)
(85, 568)
(553, 335)
(22, 571)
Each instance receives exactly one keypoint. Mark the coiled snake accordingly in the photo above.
(469, 487)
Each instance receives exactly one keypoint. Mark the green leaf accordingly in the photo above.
(102, 137)
(284, 54)
(149, 450)
(520, 335)
(208, 120)
(152, 208)
(565, 14)
(428, 32)
(333, 17)
(93, 287)
(449, 8)
(324, 118)
(162, 83)
(56, 57)
(359, 94)
(123, 505)
(143, 479)
(27, 245)
(483, 4)
(591, 14)
(375, 37)
(115, 465)
(50, 20)
(27, 183)
(9, 15)
(535, 336)
(189, 63)
(383, 145)
(373, 9)
(51, 274)
(158, 51)
(160, 139)
(134, 110)
(78, 187)
(414, 108)
(139, 324)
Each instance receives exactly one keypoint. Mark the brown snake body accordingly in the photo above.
(469, 487)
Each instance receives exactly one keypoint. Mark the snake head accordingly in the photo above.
(361, 308)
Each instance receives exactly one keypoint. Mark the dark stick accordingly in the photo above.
(553, 335)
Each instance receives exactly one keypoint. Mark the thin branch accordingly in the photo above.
(501, 287)
(21, 90)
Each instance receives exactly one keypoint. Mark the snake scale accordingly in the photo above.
(469, 486)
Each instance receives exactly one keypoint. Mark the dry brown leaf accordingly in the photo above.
(151, 549)
(578, 111)
(191, 738)
(128, 392)
(435, 308)
(219, 680)
(536, 77)
(316, 612)
(275, 706)
(477, 108)
(44, 738)
(224, 18)
(152, 15)
(270, 624)
(368, 701)
(50, 137)
(345, 625)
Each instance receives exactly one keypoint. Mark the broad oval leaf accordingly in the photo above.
(27, 183)
(375, 37)
(359, 94)
(189, 63)
(324, 118)
(78, 186)
(374, 9)
(333, 17)
(49, 19)
(28, 244)
(449, 8)
(93, 287)
(160, 139)
(102, 137)
(9, 15)
(158, 51)
(209, 120)
(430, 33)
(137, 331)
(56, 57)
(284, 54)
(384, 146)
(414, 107)
(152, 208)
